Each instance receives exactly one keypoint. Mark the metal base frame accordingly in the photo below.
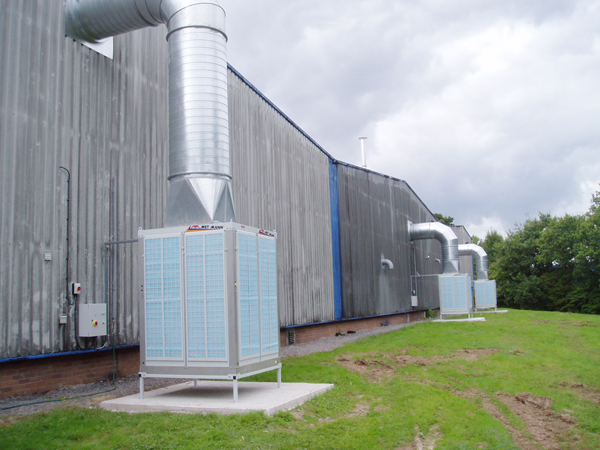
(233, 377)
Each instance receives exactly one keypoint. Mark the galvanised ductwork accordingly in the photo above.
(446, 237)
(199, 174)
(480, 256)
(387, 263)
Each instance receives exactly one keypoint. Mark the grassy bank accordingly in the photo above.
(519, 380)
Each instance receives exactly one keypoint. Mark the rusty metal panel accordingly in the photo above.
(63, 104)
(374, 215)
(281, 182)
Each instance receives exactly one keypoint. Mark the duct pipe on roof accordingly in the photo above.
(446, 237)
(480, 256)
(199, 174)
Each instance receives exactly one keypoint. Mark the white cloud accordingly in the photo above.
(488, 109)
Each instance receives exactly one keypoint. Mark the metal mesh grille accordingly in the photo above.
(268, 296)
(163, 298)
(205, 289)
(249, 301)
(485, 294)
(455, 294)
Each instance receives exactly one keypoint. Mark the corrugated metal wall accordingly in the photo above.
(281, 182)
(374, 214)
(62, 104)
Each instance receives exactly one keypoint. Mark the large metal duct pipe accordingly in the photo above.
(480, 256)
(199, 174)
(446, 237)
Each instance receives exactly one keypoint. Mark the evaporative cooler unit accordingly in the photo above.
(485, 295)
(456, 296)
(209, 303)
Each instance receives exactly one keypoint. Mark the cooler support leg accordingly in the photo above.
(235, 390)
(141, 387)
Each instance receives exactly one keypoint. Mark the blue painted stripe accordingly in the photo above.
(77, 352)
(334, 197)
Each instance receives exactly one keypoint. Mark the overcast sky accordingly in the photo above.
(490, 110)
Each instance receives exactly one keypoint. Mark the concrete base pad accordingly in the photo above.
(500, 311)
(217, 397)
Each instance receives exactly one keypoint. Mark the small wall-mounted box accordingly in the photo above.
(414, 301)
(76, 288)
(92, 320)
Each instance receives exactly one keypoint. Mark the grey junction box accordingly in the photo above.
(208, 307)
(92, 320)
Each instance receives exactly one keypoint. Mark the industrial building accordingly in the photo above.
(84, 164)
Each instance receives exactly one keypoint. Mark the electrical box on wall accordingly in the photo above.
(92, 320)
(76, 288)
(414, 301)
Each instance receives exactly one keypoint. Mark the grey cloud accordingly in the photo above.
(498, 99)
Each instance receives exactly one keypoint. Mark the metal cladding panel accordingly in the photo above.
(62, 104)
(466, 262)
(281, 182)
(374, 215)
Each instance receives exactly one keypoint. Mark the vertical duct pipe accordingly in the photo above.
(199, 174)
(362, 150)
(480, 256)
(446, 237)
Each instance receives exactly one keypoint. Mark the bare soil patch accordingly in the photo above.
(543, 427)
(361, 410)
(582, 391)
(374, 370)
(377, 369)
(422, 442)
(548, 428)
(570, 323)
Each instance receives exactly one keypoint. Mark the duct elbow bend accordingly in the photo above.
(387, 263)
(94, 20)
(446, 237)
(481, 258)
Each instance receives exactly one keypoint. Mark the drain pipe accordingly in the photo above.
(446, 237)
(386, 263)
(199, 174)
(480, 256)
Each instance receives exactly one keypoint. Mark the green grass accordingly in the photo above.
(537, 352)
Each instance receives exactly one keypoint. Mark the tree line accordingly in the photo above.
(548, 263)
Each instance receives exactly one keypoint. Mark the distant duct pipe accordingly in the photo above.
(480, 256)
(362, 150)
(446, 237)
(199, 174)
